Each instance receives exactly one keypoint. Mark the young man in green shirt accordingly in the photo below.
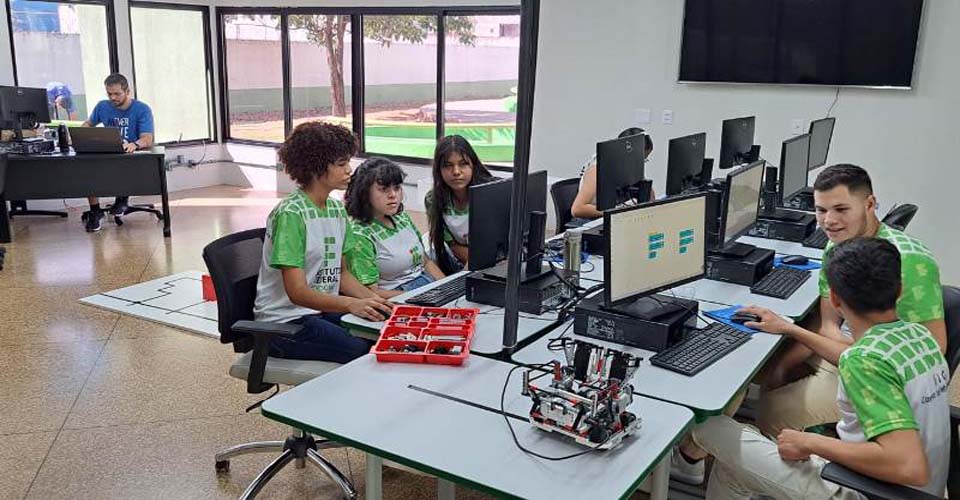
(303, 278)
(894, 420)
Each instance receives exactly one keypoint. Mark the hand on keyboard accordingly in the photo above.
(770, 321)
(372, 308)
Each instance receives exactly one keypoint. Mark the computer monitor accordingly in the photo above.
(740, 205)
(794, 158)
(23, 107)
(685, 163)
(736, 142)
(654, 247)
(821, 133)
(620, 171)
(489, 225)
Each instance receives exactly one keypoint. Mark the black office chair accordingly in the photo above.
(900, 216)
(563, 193)
(880, 490)
(234, 265)
(129, 209)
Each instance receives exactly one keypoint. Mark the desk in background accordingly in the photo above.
(55, 176)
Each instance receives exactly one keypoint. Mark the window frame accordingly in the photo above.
(212, 128)
(358, 82)
(111, 26)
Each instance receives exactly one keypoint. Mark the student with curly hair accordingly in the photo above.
(388, 256)
(303, 278)
(456, 167)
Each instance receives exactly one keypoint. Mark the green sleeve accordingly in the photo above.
(822, 279)
(288, 234)
(877, 395)
(350, 235)
(362, 260)
(922, 297)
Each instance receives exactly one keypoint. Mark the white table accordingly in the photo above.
(706, 393)
(783, 247)
(385, 410)
(488, 335)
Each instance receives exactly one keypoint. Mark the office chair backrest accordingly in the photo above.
(563, 193)
(234, 265)
(900, 216)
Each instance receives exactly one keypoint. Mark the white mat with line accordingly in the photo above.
(175, 301)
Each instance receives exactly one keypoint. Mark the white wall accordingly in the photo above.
(599, 61)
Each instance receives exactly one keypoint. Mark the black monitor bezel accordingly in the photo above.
(833, 127)
(472, 220)
(783, 168)
(606, 251)
(727, 125)
(675, 144)
(722, 238)
(599, 166)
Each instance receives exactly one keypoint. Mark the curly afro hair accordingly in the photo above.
(314, 146)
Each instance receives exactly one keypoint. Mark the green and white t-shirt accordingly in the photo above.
(301, 234)
(388, 256)
(922, 297)
(457, 222)
(895, 378)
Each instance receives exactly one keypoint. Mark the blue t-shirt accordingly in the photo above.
(133, 121)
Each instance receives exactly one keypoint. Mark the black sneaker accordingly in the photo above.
(119, 206)
(94, 221)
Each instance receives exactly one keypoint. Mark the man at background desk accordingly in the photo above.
(135, 121)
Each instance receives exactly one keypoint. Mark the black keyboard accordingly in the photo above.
(700, 349)
(441, 294)
(816, 240)
(781, 282)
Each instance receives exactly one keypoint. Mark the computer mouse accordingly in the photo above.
(795, 260)
(741, 318)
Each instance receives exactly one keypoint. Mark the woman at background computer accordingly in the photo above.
(585, 204)
(388, 256)
(456, 167)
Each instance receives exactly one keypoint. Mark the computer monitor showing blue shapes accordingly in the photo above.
(794, 158)
(821, 134)
(741, 201)
(654, 246)
(620, 171)
(685, 162)
(736, 141)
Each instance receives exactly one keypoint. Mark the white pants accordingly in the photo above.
(747, 463)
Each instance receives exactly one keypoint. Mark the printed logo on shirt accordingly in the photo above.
(416, 255)
(327, 279)
(123, 124)
(330, 252)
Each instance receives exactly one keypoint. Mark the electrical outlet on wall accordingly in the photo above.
(797, 126)
(667, 117)
(641, 116)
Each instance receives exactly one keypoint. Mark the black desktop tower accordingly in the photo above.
(537, 294)
(593, 241)
(801, 201)
(740, 270)
(592, 319)
(773, 227)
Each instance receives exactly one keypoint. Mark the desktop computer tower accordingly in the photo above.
(594, 242)
(740, 270)
(537, 294)
(593, 319)
(801, 201)
(794, 229)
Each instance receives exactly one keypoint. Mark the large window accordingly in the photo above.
(171, 69)
(400, 78)
(65, 47)
(253, 72)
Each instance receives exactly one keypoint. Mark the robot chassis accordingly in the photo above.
(586, 399)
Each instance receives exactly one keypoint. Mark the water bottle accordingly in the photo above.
(63, 141)
(572, 240)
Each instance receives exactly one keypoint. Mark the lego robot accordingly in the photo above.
(586, 399)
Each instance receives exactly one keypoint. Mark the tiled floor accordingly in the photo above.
(94, 405)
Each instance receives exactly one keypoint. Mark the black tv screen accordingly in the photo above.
(815, 42)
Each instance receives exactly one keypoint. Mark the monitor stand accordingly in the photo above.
(499, 272)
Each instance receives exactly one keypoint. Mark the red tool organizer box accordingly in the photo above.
(434, 335)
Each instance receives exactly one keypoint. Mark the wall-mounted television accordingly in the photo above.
(867, 43)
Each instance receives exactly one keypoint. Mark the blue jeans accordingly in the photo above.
(419, 281)
(322, 339)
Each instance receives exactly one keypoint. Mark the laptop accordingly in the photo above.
(96, 139)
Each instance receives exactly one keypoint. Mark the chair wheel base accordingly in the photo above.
(222, 466)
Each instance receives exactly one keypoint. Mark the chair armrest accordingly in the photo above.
(262, 332)
(874, 489)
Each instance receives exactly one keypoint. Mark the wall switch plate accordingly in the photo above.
(641, 116)
(797, 127)
(667, 117)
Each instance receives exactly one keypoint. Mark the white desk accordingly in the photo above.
(372, 406)
(488, 335)
(783, 247)
(706, 393)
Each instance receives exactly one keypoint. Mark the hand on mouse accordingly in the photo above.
(770, 321)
